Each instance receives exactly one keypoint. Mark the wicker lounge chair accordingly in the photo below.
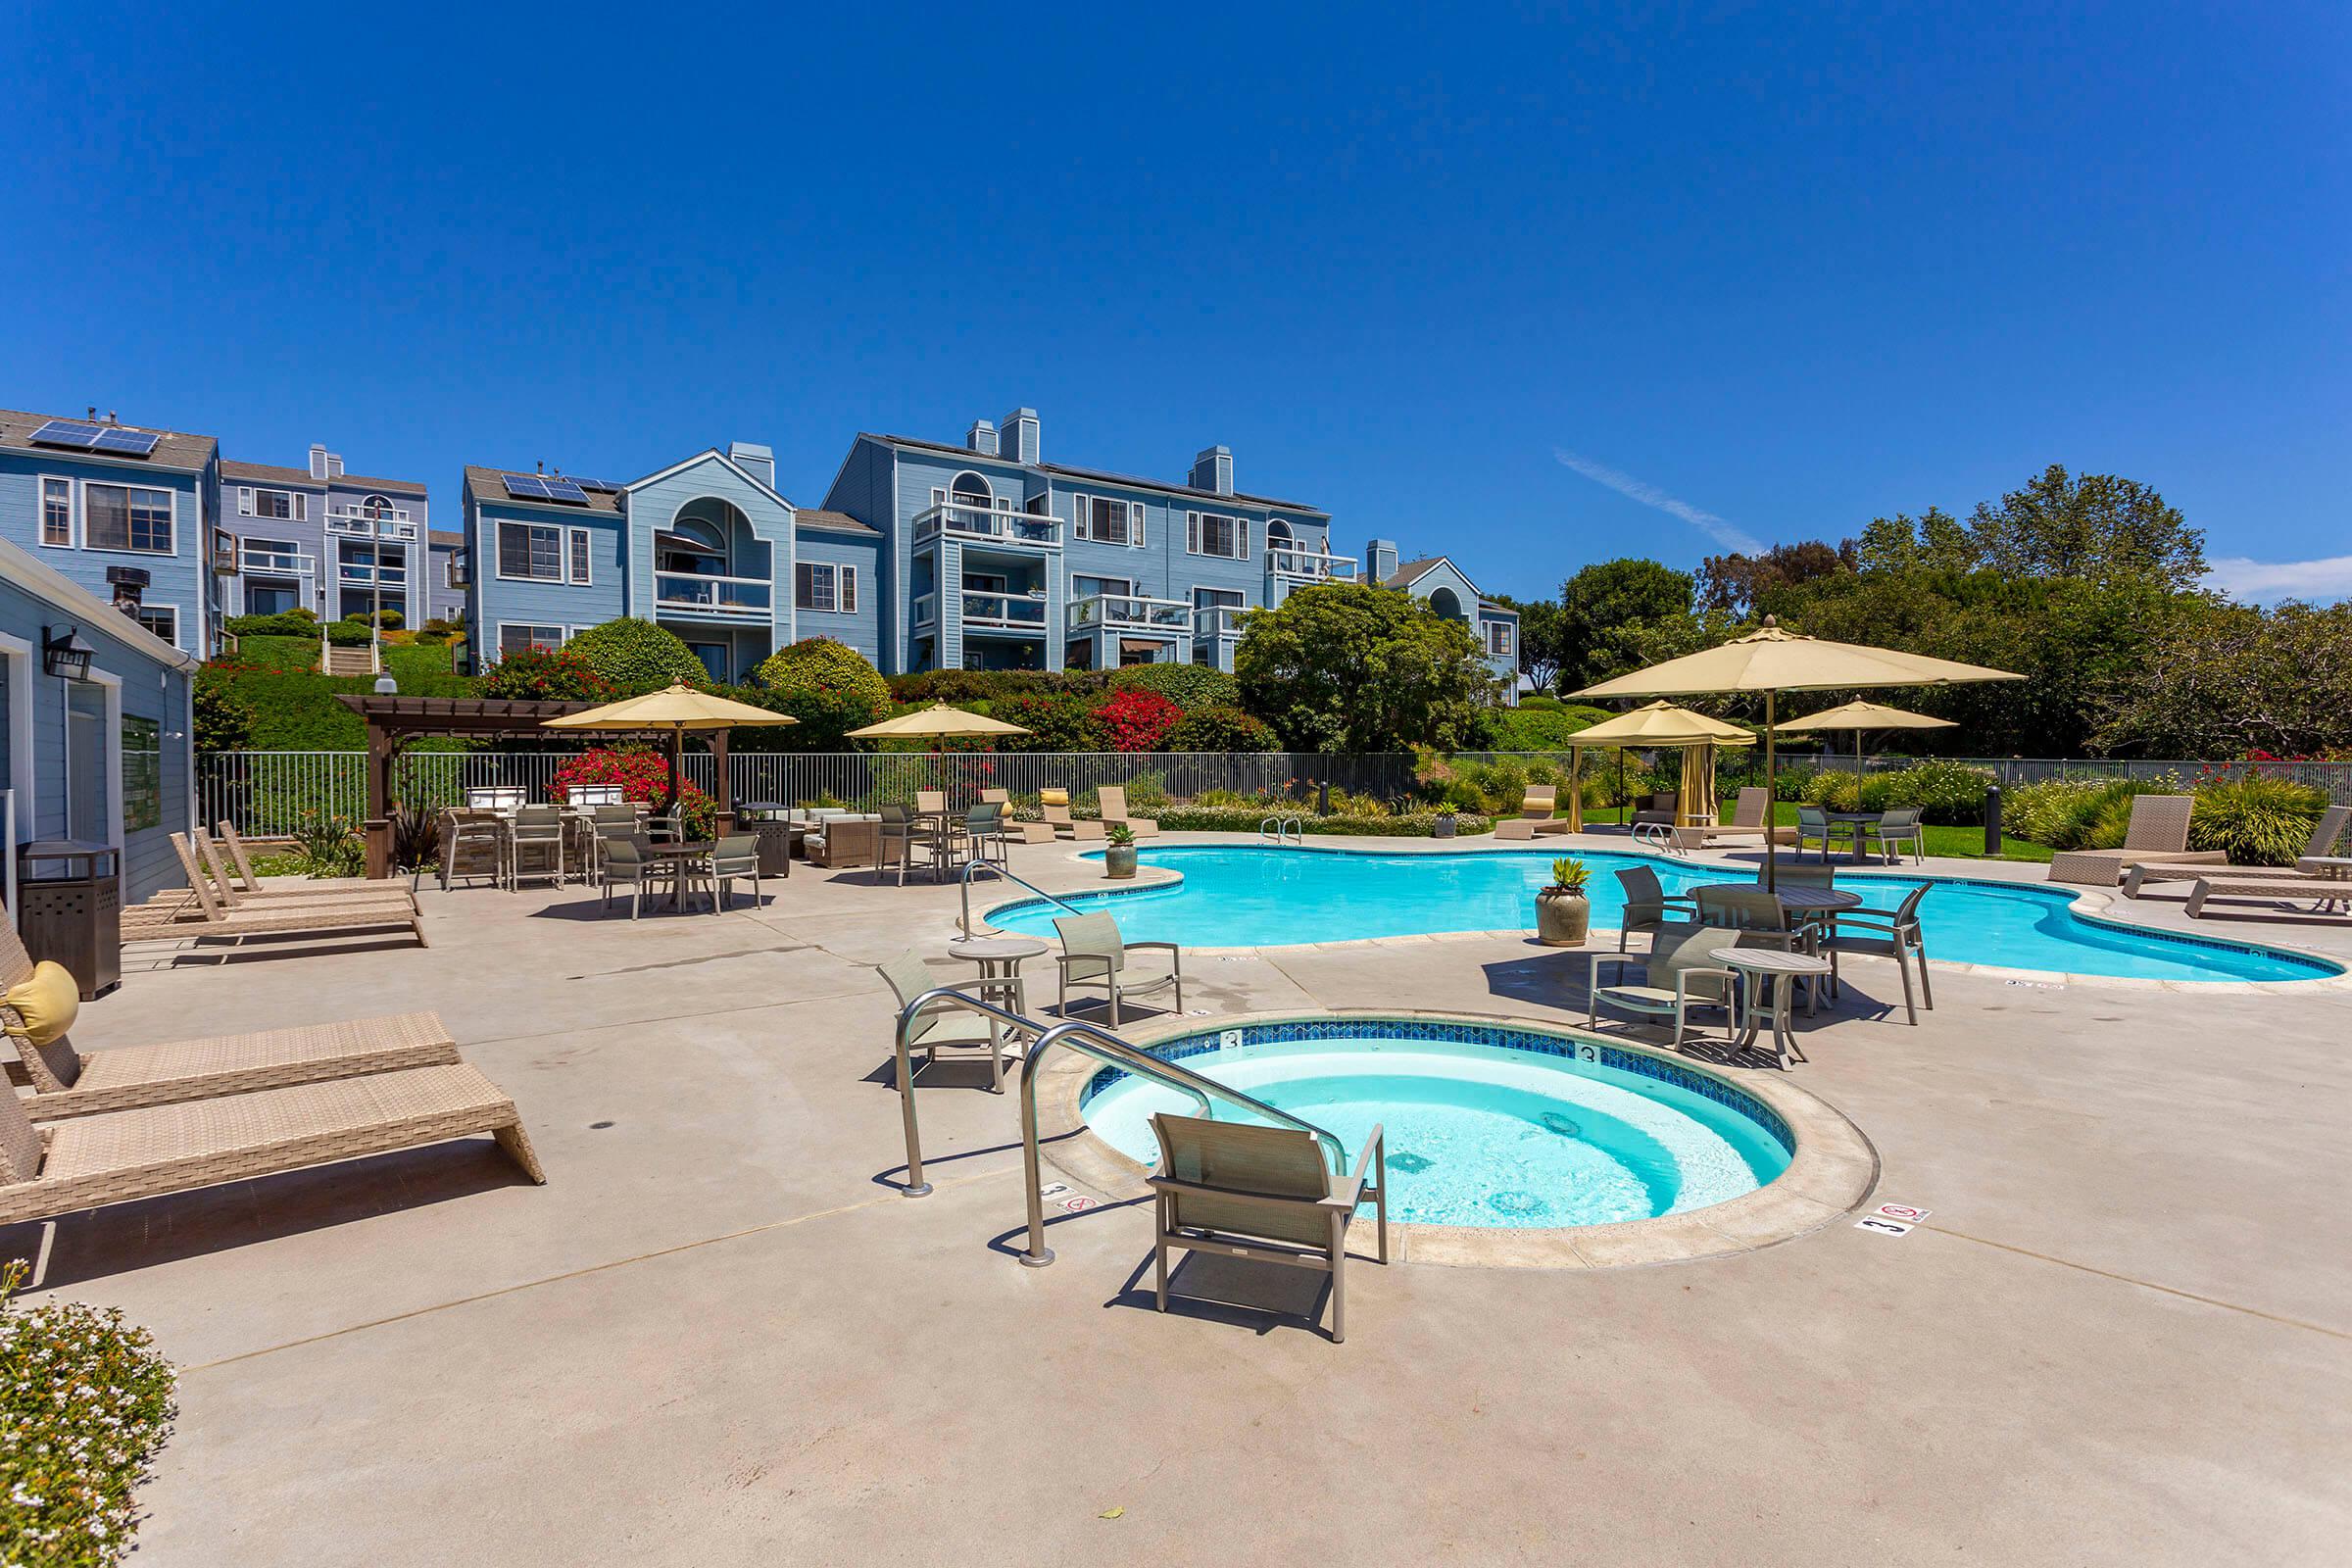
(89, 1162)
(332, 890)
(944, 1026)
(1056, 804)
(1536, 808)
(1648, 903)
(1678, 972)
(2158, 832)
(1658, 813)
(1095, 953)
(2327, 890)
(298, 919)
(1030, 832)
(2324, 834)
(1267, 1194)
(1113, 799)
(248, 882)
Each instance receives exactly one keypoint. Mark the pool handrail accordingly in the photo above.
(990, 866)
(1283, 828)
(1104, 1046)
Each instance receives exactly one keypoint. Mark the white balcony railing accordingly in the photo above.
(1012, 612)
(1131, 611)
(1310, 565)
(998, 525)
(393, 525)
(1218, 621)
(720, 596)
(277, 563)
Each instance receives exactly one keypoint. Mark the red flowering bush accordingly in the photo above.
(545, 675)
(643, 776)
(1137, 720)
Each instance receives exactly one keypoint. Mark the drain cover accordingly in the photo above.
(1556, 1122)
(1515, 1202)
(1410, 1164)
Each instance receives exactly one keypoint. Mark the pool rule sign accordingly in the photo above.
(1891, 1219)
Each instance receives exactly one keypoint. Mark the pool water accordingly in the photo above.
(1481, 1135)
(1241, 896)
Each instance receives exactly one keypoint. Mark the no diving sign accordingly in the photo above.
(1891, 1219)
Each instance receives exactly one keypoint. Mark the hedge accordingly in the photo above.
(1246, 819)
(636, 657)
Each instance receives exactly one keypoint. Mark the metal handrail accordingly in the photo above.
(1283, 827)
(993, 869)
(1104, 1045)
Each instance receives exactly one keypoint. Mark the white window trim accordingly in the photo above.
(844, 587)
(22, 661)
(579, 549)
(500, 645)
(40, 526)
(498, 556)
(172, 611)
(83, 518)
(113, 720)
(1195, 536)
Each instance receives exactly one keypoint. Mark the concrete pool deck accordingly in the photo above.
(719, 1335)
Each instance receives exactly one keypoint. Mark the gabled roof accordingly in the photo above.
(489, 485)
(833, 522)
(731, 465)
(272, 473)
(444, 539)
(176, 450)
(1096, 475)
(1412, 571)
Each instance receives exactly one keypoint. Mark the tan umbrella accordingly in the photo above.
(1771, 661)
(1662, 724)
(937, 720)
(1859, 717)
(676, 710)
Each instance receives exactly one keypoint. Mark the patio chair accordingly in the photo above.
(848, 838)
(1658, 811)
(204, 855)
(1055, 805)
(535, 846)
(1095, 953)
(1750, 813)
(1030, 832)
(1759, 915)
(1813, 826)
(1680, 972)
(897, 840)
(984, 830)
(1880, 935)
(2158, 832)
(473, 842)
(150, 1150)
(942, 1025)
(1242, 1189)
(732, 859)
(1114, 813)
(629, 863)
(1648, 903)
(2324, 834)
(1896, 829)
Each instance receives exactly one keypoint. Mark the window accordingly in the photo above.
(286, 505)
(457, 568)
(1082, 587)
(1110, 523)
(142, 773)
(1207, 534)
(57, 513)
(120, 517)
(514, 638)
(579, 554)
(1207, 602)
(533, 551)
(161, 619)
(1499, 638)
(827, 588)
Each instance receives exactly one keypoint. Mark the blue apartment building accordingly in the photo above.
(1447, 589)
(316, 538)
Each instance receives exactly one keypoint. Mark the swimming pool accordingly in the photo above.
(1248, 896)
(1485, 1125)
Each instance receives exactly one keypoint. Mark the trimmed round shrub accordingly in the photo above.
(635, 656)
(349, 633)
(285, 623)
(828, 686)
(1222, 728)
(1191, 687)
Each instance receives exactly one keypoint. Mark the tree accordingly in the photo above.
(636, 657)
(1538, 639)
(1937, 541)
(1740, 584)
(828, 686)
(1600, 606)
(1352, 667)
(1056, 721)
(2218, 679)
(1222, 729)
(2097, 526)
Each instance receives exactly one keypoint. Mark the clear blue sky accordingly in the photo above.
(1788, 270)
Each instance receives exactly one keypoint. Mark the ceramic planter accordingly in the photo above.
(1444, 828)
(1119, 861)
(1562, 917)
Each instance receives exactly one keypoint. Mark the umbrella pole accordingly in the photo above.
(677, 767)
(1772, 801)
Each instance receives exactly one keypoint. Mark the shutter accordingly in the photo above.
(244, 500)
(849, 591)
(1191, 534)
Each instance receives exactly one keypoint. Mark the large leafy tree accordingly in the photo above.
(1603, 611)
(1742, 584)
(1352, 667)
(2097, 526)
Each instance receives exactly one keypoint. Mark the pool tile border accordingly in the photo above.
(1831, 1171)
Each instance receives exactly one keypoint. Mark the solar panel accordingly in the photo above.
(526, 485)
(138, 443)
(69, 433)
(606, 485)
(560, 489)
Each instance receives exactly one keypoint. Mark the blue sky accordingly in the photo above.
(1530, 288)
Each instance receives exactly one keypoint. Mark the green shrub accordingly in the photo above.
(635, 656)
(545, 675)
(828, 686)
(1191, 687)
(349, 633)
(224, 721)
(1530, 728)
(285, 623)
(85, 1402)
(1057, 721)
(2078, 813)
(1832, 791)
(1222, 728)
(2256, 821)
(1419, 823)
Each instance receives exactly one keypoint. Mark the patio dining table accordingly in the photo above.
(681, 859)
(1856, 825)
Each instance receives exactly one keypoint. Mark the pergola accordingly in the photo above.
(395, 721)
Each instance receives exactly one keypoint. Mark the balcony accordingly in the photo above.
(1000, 613)
(1218, 621)
(1310, 566)
(747, 597)
(1130, 613)
(998, 525)
(276, 562)
(393, 525)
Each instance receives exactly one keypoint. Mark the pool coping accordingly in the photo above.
(2096, 906)
(1832, 1174)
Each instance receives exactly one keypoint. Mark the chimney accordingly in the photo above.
(1213, 472)
(981, 438)
(1020, 434)
(317, 461)
(1380, 558)
(755, 460)
(334, 465)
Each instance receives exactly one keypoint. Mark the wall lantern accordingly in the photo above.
(68, 656)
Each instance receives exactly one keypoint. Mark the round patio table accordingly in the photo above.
(1853, 822)
(1778, 971)
(684, 854)
(1000, 960)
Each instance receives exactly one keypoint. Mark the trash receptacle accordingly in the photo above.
(70, 893)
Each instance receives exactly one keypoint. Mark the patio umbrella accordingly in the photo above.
(937, 720)
(1661, 724)
(1859, 717)
(676, 710)
(1771, 661)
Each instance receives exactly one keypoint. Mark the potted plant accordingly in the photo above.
(1563, 914)
(1118, 851)
(1445, 825)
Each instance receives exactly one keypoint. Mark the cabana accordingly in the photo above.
(1660, 725)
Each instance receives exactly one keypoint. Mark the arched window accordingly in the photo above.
(692, 544)
(377, 506)
(968, 489)
(1443, 602)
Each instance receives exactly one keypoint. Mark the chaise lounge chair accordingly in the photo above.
(1055, 805)
(1535, 815)
(1748, 821)
(2158, 833)
(2324, 834)
(2327, 889)
(336, 891)
(1267, 1194)
(295, 920)
(1113, 799)
(1030, 832)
